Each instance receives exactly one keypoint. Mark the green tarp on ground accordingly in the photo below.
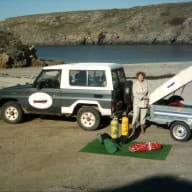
(96, 147)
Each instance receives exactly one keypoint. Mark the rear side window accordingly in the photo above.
(118, 76)
(89, 78)
(96, 79)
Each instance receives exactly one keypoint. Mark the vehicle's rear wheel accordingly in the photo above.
(180, 131)
(12, 112)
(88, 118)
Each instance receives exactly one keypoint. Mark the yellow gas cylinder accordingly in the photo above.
(114, 128)
(125, 126)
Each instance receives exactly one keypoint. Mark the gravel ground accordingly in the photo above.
(41, 154)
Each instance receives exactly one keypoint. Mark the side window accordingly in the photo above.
(121, 75)
(78, 77)
(114, 77)
(90, 78)
(96, 78)
(118, 76)
(48, 79)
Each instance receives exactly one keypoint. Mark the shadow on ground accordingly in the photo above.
(155, 184)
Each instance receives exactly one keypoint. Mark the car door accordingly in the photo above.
(45, 97)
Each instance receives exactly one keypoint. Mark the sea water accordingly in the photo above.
(124, 54)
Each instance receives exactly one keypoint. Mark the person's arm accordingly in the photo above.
(146, 97)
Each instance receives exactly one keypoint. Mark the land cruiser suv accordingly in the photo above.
(88, 91)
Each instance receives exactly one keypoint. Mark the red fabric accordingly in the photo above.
(144, 147)
(177, 103)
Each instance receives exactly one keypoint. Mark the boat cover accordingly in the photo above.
(173, 84)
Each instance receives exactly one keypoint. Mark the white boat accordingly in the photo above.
(170, 111)
(181, 79)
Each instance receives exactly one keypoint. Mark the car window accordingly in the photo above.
(118, 76)
(90, 78)
(96, 78)
(78, 77)
(48, 79)
(121, 75)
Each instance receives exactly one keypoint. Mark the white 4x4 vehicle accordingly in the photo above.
(88, 91)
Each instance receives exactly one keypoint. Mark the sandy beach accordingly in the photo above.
(10, 77)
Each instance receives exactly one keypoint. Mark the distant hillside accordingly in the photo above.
(164, 23)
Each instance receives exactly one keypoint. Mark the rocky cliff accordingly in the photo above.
(13, 53)
(164, 23)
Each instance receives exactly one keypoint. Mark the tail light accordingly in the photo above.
(113, 105)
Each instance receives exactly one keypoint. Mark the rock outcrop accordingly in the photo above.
(164, 23)
(13, 53)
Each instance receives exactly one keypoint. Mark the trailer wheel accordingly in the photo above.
(88, 118)
(12, 112)
(180, 131)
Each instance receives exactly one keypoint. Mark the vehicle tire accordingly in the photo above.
(12, 112)
(88, 118)
(180, 131)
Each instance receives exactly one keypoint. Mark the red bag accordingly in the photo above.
(144, 147)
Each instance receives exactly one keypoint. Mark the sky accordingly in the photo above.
(14, 8)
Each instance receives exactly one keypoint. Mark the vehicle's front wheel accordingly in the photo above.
(88, 118)
(12, 112)
(180, 131)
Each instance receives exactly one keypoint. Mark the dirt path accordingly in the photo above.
(41, 155)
